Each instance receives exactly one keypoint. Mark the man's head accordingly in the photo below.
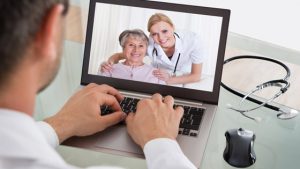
(30, 29)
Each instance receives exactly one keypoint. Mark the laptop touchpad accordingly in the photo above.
(117, 138)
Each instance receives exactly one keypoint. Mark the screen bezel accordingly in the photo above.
(142, 87)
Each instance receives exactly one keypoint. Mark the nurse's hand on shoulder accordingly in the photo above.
(154, 118)
(81, 115)
(105, 67)
(113, 59)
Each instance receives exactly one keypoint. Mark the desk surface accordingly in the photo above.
(276, 144)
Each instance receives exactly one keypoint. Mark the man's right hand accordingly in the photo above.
(154, 118)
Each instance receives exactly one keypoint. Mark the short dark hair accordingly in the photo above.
(20, 20)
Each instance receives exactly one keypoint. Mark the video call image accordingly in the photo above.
(155, 46)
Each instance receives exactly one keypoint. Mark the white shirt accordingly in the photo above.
(27, 144)
(187, 44)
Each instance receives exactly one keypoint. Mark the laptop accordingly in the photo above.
(106, 20)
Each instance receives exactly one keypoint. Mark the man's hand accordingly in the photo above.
(154, 118)
(81, 115)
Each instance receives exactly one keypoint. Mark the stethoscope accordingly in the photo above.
(155, 54)
(283, 84)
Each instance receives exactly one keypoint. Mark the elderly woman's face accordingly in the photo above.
(135, 50)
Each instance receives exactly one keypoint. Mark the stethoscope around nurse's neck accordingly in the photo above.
(155, 54)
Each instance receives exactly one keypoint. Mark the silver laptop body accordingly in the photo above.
(204, 94)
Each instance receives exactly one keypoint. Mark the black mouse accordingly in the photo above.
(239, 150)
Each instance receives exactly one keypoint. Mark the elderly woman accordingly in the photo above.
(134, 43)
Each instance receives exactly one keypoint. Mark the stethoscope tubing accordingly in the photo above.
(271, 82)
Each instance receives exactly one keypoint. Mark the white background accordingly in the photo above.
(273, 21)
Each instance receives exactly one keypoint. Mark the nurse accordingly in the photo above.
(176, 55)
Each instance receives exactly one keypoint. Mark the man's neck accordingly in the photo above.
(18, 93)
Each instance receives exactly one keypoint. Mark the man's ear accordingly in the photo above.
(47, 41)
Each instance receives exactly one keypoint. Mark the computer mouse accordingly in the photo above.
(239, 151)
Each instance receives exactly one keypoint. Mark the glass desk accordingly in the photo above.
(276, 144)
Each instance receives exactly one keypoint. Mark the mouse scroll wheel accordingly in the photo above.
(241, 132)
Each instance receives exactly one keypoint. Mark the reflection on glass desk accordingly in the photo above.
(276, 145)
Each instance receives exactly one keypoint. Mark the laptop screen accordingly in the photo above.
(155, 47)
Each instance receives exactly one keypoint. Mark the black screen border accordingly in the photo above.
(142, 87)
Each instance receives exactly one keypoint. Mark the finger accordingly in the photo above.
(157, 97)
(108, 66)
(85, 89)
(162, 77)
(105, 63)
(169, 100)
(156, 72)
(129, 118)
(91, 85)
(161, 71)
(109, 100)
(130, 123)
(166, 75)
(113, 118)
(106, 69)
(103, 70)
(179, 111)
(110, 90)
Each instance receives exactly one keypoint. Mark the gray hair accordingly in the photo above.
(135, 33)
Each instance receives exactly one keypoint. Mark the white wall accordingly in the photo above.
(273, 21)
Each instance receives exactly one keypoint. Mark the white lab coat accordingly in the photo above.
(27, 144)
(188, 45)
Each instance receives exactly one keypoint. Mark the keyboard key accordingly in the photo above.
(189, 124)
(193, 134)
(196, 120)
(186, 132)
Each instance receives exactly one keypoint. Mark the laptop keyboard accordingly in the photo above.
(189, 124)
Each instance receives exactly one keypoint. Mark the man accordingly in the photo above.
(31, 34)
